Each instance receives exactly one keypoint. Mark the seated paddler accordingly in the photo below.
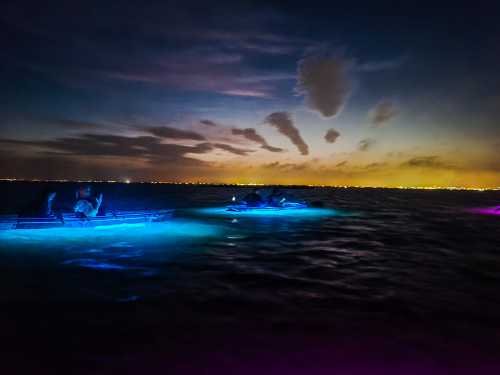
(276, 198)
(87, 204)
(253, 199)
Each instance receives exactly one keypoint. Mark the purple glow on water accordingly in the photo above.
(486, 211)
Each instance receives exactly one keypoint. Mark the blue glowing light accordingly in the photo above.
(141, 233)
(124, 225)
(290, 213)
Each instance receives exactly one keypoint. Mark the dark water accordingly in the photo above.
(380, 281)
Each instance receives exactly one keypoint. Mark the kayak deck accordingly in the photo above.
(70, 220)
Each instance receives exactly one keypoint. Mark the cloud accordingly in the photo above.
(366, 144)
(325, 83)
(231, 149)
(174, 133)
(254, 41)
(375, 165)
(425, 162)
(382, 113)
(252, 135)
(17, 122)
(285, 166)
(75, 124)
(245, 92)
(283, 122)
(146, 148)
(208, 122)
(196, 52)
(331, 135)
(376, 66)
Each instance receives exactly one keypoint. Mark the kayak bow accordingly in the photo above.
(71, 220)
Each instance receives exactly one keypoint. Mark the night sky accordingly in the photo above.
(342, 93)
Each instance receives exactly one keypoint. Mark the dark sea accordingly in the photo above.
(379, 281)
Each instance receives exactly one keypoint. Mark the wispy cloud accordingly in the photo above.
(431, 161)
(382, 113)
(174, 133)
(208, 122)
(232, 149)
(149, 148)
(380, 65)
(252, 135)
(242, 92)
(366, 144)
(284, 123)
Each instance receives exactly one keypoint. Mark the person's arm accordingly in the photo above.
(50, 199)
(98, 205)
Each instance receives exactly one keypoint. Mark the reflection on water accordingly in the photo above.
(371, 255)
(289, 213)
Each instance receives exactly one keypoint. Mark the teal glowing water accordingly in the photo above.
(290, 213)
(137, 235)
(375, 256)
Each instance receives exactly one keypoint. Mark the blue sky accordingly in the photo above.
(410, 89)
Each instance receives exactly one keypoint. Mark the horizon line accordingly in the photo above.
(127, 181)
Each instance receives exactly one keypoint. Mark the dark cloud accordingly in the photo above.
(146, 148)
(285, 166)
(382, 113)
(208, 122)
(375, 165)
(252, 135)
(325, 83)
(231, 149)
(50, 124)
(425, 162)
(174, 133)
(272, 165)
(283, 122)
(331, 135)
(366, 144)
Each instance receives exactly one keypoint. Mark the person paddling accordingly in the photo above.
(276, 198)
(41, 206)
(253, 199)
(87, 205)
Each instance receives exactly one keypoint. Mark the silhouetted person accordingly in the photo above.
(87, 205)
(276, 198)
(42, 205)
(253, 199)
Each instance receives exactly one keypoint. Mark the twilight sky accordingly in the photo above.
(357, 93)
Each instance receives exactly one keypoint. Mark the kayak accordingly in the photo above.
(70, 220)
(283, 207)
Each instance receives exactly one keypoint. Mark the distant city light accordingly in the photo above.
(128, 181)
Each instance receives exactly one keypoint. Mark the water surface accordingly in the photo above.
(414, 275)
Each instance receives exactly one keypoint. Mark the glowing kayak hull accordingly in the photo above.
(284, 207)
(70, 220)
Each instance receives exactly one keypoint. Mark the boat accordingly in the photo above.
(71, 220)
(284, 206)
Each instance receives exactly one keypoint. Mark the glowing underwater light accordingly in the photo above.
(298, 213)
(171, 230)
(123, 225)
(486, 211)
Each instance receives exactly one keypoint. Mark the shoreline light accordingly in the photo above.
(128, 181)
